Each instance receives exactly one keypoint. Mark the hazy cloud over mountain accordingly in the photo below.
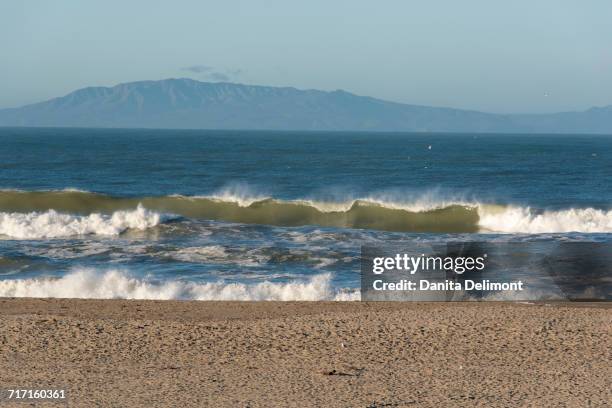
(198, 69)
(212, 74)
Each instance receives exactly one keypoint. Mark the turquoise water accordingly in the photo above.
(273, 215)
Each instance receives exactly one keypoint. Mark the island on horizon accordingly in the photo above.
(189, 104)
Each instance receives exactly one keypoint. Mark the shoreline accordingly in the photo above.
(133, 353)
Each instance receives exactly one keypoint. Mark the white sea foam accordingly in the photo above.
(63, 250)
(117, 284)
(217, 254)
(525, 220)
(199, 254)
(51, 224)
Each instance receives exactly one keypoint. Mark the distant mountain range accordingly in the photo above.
(186, 103)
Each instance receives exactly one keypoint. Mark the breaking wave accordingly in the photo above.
(526, 220)
(117, 284)
(376, 212)
(52, 224)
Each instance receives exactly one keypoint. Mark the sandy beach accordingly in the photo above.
(116, 353)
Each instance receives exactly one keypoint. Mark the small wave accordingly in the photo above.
(116, 284)
(52, 224)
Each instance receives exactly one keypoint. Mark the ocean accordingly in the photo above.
(255, 215)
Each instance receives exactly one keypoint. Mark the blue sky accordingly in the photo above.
(496, 56)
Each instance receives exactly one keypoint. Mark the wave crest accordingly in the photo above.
(116, 284)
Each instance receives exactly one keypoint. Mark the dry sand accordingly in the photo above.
(230, 354)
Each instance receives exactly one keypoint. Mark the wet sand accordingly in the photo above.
(115, 353)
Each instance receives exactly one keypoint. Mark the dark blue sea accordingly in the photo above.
(237, 215)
